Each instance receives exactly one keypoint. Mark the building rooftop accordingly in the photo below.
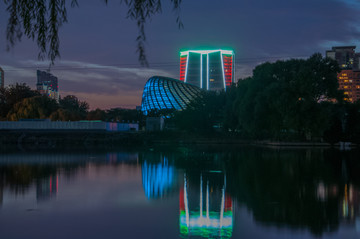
(227, 52)
(343, 47)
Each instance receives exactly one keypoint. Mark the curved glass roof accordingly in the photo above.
(162, 93)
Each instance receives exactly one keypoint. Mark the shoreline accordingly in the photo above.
(93, 138)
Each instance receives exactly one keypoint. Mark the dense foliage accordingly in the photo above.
(19, 102)
(286, 100)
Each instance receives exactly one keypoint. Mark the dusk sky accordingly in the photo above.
(99, 63)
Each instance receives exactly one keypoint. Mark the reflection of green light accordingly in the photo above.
(207, 227)
(215, 171)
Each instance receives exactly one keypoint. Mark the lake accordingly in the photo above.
(180, 192)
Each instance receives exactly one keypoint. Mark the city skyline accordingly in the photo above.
(98, 45)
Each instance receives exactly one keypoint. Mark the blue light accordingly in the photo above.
(157, 179)
(162, 93)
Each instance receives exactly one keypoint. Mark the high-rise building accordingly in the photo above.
(345, 56)
(349, 77)
(47, 84)
(2, 78)
(208, 69)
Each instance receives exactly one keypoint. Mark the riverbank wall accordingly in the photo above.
(47, 139)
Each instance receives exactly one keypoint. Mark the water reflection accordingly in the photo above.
(158, 178)
(47, 188)
(206, 210)
(208, 194)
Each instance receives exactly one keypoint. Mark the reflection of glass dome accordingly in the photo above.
(161, 93)
(157, 179)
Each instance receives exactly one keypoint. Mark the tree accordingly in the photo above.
(288, 97)
(37, 107)
(126, 115)
(41, 20)
(12, 95)
(96, 114)
(351, 122)
(204, 113)
(61, 115)
(76, 109)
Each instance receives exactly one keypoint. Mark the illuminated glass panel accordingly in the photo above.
(167, 93)
(193, 75)
(216, 81)
(208, 69)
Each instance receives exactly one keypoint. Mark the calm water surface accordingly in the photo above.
(180, 193)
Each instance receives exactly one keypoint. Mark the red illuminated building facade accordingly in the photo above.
(208, 69)
(349, 77)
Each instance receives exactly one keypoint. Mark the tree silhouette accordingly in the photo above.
(12, 95)
(37, 107)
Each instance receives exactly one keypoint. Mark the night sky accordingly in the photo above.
(99, 62)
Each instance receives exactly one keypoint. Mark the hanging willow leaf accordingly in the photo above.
(40, 21)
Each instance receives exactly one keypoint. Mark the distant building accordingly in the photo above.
(208, 69)
(345, 56)
(349, 77)
(47, 84)
(2, 78)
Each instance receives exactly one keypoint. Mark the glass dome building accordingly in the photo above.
(162, 93)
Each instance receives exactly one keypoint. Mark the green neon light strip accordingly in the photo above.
(226, 52)
(201, 71)
(207, 72)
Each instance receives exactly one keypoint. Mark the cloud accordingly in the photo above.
(352, 3)
(99, 85)
(99, 60)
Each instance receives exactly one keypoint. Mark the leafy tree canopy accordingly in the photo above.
(37, 107)
(13, 94)
(76, 108)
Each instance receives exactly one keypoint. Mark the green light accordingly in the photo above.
(226, 52)
(206, 227)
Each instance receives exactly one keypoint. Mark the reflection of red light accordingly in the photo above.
(228, 203)
(50, 185)
(181, 199)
